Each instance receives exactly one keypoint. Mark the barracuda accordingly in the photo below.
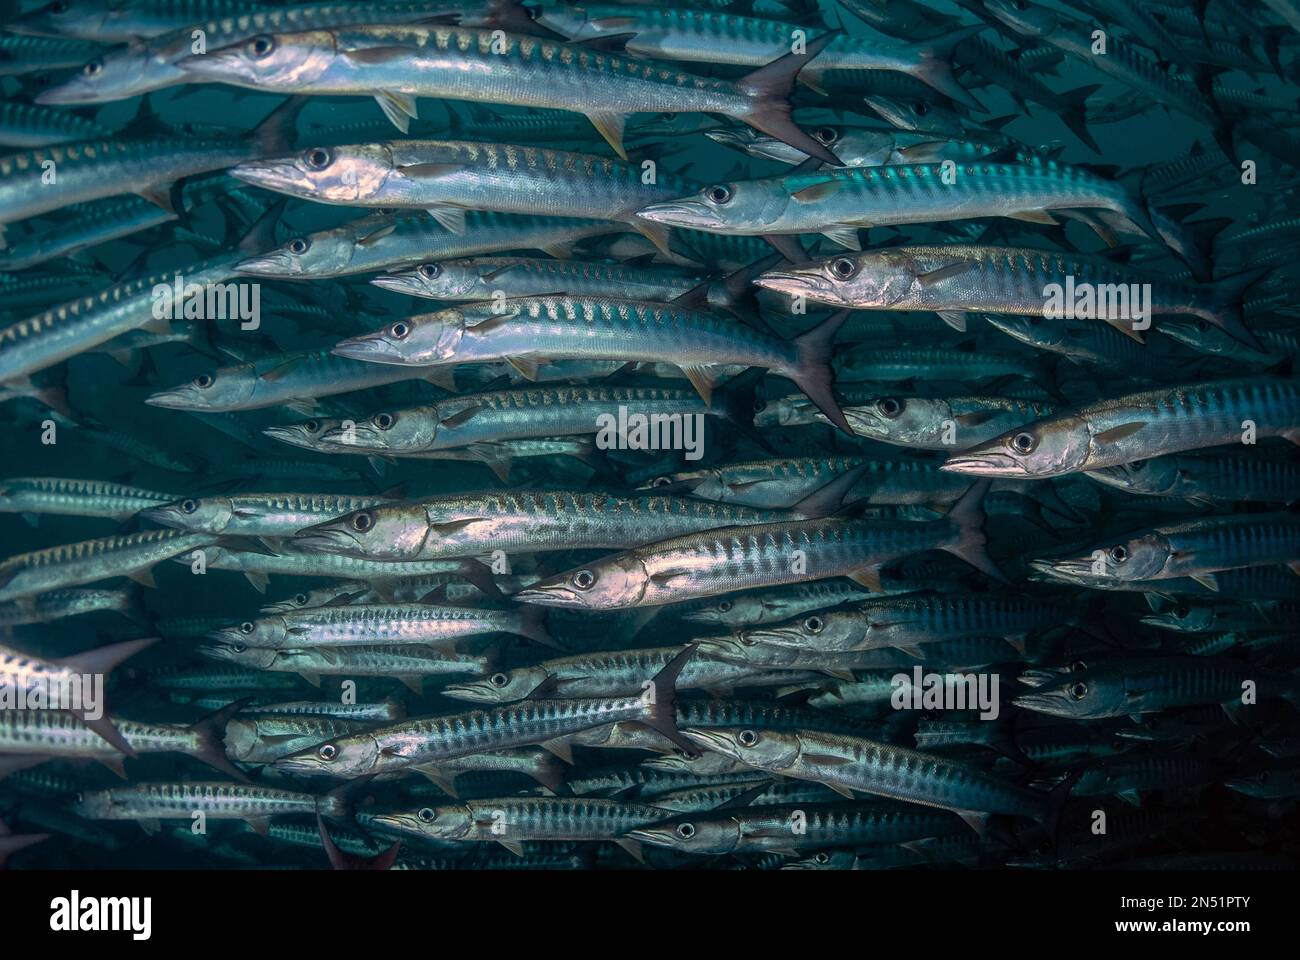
(1196, 548)
(512, 821)
(73, 564)
(25, 126)
(381, 711)
(446, 177)
(941, 423)
(143, 66)
(534, 762)
(544, 722)
(531, 330)
(23, 54)
(1207, 479)
(397, 65)
(385, 241)
(763, 555)
(96, 169)
(407, 663)
(529, 522)
(76, 498)
(411, 590)
(119, 22)
(60, 604)
(265, 739)
(83, 228)
(607, 674)
(1134, 687)
(256, 514)
(432, 625)
(295, 380)
(55, 735)
(148, 803)
(1138, 426)
(767, 829)
(839, 202)
(958, 279)
(849, 764)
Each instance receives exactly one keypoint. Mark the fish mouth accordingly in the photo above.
(70, 92)
(652, 836)
(213, 651)
(1080, 569)
(465, 691)
(371, 347)
(709, 740)
(782, 281)
(984, 465)
(219, 65)
(681, 213)
(273, 264)
(397, 284)
(288, 435)
(1040, 702)
(556, 596)
(330, 540)
(281, 175)
(300, 763)
(176, 399)
(162, 515)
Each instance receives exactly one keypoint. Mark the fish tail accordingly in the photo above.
(532, 624)
(769, 89)
(735, 401)
(935, 71)
(1075, 114)
(813, 374)
(346, 861)
(211, 733)
(102, 661)
(662, 715)
(1226, 297)
(970, 543)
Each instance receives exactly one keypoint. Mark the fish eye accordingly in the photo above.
(814, 624)
(822, 857)
(203, 381)
(327, 751)
(362, 522)
(747, 738)
(1078, 690)
(890, 406)
(430, 271)
(312, 426)
(261, 46)
(760, 406)
(584, 579)
(399, 330)
(298, 246)
(719, 193)
(300, 599)
(238, 647)
(318, 158)
(1181, 612)
(660, 481)
(922, 108)
(1119, 553)
(725, 606)
(93, 68)
(426, 815)
(383, 420)
(189, 506)
(827, 135)
(1024, 442)
(843, 267)
(498, 680)
(246, 627)
(686, 830)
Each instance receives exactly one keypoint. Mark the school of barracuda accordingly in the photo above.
(861, 473)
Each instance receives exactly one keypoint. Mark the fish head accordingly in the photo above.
(224, 389)
(722, 206)
(62, 18)
(504, 686)
(115, 74)
(285, 61)
(426, 339)
(613, 583)
(1185, 618)
(306, 599)
(325, 254)
(738, 647)
(703, 765)
(1159, 475)
(766, 749)
(694, 833)
(308, 434)
(873, 280)
(1035, 329)
(99, 804)
(351, 174)
(915, 115)
(267, 632)
(1140, 557)
(1025, 18)
(1049, 448)
(449, 280)
(1078, 696)
(431, 823)
(388, 430)
(239, 653)
(901, 420)
(392, 532)
(729, 610)
(242, 739)
(206, 515)
(351, 756)
(820, 630)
